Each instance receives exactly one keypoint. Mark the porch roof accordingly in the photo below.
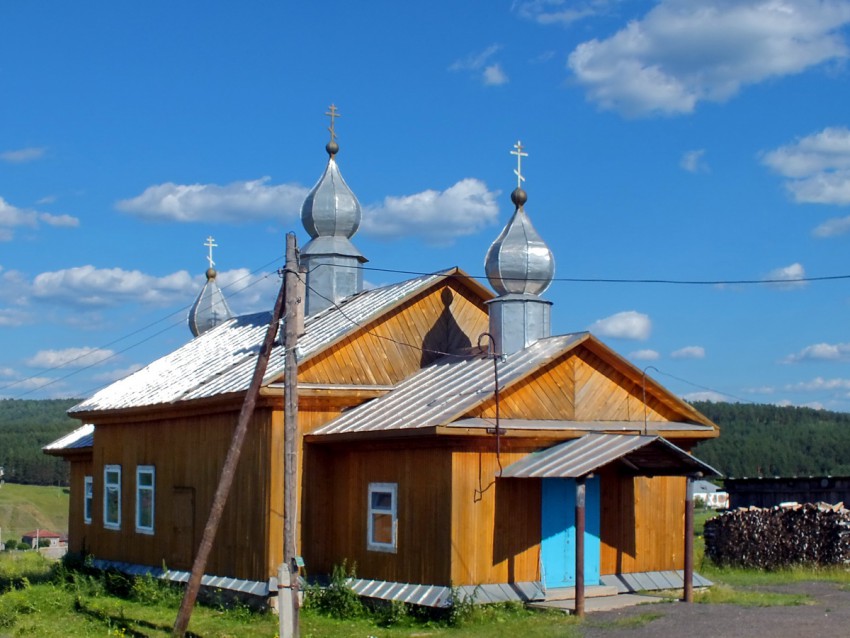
(637, 454)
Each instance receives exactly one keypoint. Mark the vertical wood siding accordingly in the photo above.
(336, 483)
(78, 536)
(188, 454)
(643, 523)
(495, 522)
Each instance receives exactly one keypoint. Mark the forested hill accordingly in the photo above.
(755, 440)
(25, 427)
(768, 440)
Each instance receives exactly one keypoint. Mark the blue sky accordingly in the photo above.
(668, 140)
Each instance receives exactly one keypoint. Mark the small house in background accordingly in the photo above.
(442, 433)
(43, 538)
(711, 495)
(767, 492)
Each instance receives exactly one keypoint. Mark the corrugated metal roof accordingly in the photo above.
(82, 437)
(439, 393)
(644, 455)
(222, 360)
(587, 426)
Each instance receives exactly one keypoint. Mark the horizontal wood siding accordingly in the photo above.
(444, 319)
(642, 523)
(188, 454)
(495, 522)
(335, 523)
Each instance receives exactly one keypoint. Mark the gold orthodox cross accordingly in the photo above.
(333, 114)
(518, 171)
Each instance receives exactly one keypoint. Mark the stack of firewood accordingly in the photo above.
(777, 537)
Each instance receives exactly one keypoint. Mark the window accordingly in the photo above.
(382, 522)
(145, 489)
(88, 498)
(112, 497)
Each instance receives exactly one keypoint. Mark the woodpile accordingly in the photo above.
(782, 536)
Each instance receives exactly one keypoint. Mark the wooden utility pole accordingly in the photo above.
(228, 471)
(288, 574)
(688, 574)
(581, 492)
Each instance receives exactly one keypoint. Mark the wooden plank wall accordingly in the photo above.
(448, 318)
(336, 486)
(188, 454)
(77, 528)
(643, 523)
(495, 522)
(579, 386)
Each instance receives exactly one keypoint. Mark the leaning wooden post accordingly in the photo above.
(289, 623)
(228, 472)
(688, 576)
(581, 491)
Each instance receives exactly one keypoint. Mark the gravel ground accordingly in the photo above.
(826, 616)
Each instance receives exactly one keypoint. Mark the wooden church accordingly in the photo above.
(442, 430)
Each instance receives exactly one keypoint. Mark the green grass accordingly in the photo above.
(24, 508)
(723, 593)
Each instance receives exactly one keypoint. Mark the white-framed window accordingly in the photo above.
(88, 498)
(382, 520)
(112, 497)
(145, 493)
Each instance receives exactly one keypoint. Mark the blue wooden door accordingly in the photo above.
(558, 549)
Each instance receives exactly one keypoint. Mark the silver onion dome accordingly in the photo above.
(210, 308)
(519, 261)
(331, 209)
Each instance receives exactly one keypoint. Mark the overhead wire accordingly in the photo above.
(592, 280)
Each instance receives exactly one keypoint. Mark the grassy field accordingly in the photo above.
(24, 508)
(40, 598)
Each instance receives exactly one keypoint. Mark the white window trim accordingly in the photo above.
(371, 545)
(88, 499)
(145, 469)
(107, 524)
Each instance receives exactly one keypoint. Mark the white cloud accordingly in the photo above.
(23, 155)
(689, 352)
(790, 274)
(765, 389)
(13, 217)
(683, 52)
(817, 171)
(557, 11)
(644, 355)
(491, 73)
(236, 202)
(494, 75)
(12, 317)
(248, 292)
(8, 372)
(439, 217)
(624, 325)
(694, 161)
(90, 286)
(832, 227)
(819, 384)
(69, 357)
(706, 395)
(821, 352)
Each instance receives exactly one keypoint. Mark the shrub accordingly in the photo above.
(337, 599)
(23, 546)
(11, 544)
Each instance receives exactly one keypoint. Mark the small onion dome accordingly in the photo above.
(210, 308)
(331, 209)
(519, 261)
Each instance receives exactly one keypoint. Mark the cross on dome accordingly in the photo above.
(519, 155)
(333, 114)
(210, 243)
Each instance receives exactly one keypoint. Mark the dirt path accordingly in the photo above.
(827, 616)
